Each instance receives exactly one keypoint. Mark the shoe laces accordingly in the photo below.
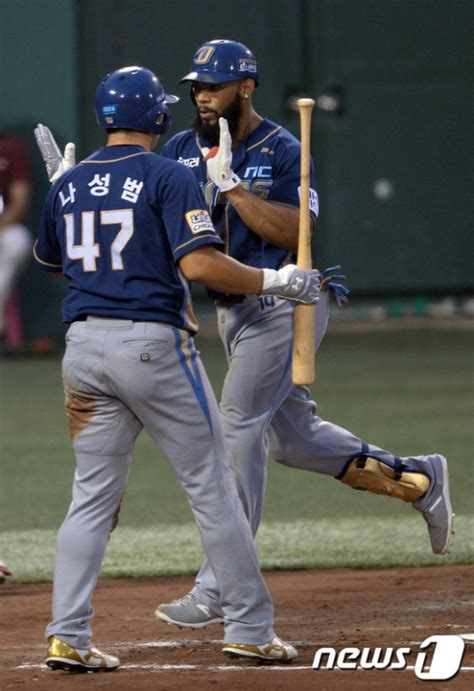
(187, 600)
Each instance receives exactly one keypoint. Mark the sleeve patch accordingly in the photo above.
(199, 221)
(313, 200)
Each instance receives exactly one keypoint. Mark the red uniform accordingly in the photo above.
(15, 163)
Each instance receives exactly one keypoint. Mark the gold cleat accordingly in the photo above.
(63, 656)
(274, 651)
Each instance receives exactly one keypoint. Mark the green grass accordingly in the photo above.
(175, 549)
(409, 392)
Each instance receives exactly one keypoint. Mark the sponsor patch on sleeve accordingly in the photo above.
(313, 200)
(199, 221)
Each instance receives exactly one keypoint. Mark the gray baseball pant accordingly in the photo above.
(264, 413)
(120, 377)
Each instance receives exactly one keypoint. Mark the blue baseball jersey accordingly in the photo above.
(116, 226)
(268, 164)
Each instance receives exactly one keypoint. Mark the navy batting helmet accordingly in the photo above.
(220, 61)
(132, 98)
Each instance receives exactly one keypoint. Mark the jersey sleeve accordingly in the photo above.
(286, 178)
(46, 250)
(185, 215)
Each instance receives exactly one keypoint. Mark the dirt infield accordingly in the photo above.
(391, 608)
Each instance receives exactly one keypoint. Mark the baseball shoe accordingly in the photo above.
(62, 656)
(187, 612)
(273, 651)
(435, 505)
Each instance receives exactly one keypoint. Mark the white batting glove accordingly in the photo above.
(219, 161)
(56, 164)
(291, 283)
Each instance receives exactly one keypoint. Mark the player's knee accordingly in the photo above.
(373, 475)
(283, 460)
(278, 450)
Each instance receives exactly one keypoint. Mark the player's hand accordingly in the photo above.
(56, 164)
(291, 283)
(219, 161)
(330, 281)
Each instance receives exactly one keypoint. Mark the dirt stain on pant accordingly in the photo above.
(80, 408)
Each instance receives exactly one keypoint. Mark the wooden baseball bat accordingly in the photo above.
(303, 363)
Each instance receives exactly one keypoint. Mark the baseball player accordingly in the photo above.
(251, 187)
(250, 183)
(129, 231)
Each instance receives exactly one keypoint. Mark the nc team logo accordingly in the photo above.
(439, 659)
(203, 55)
(199, 221)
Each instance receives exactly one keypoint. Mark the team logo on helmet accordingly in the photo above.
(203, 55)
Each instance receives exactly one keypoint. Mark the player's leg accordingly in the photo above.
(257, 338)
(257, 341)
(301, 439)
(15, 248)
(180, 412)
(103, 432)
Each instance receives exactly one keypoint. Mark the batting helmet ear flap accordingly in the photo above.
(159, 119)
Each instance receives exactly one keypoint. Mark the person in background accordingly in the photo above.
(4, 571)
(16, 186)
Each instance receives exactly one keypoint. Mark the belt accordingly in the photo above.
(104, 321)
(229, 300)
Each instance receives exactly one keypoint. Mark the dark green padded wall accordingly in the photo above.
(393, 167)
(38, 83)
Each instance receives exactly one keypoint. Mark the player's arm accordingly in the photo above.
(212, 268)
(19, 197)
(46, 249)
(275, 222)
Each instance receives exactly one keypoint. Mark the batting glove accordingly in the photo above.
(291, 283)
(330, 281)
(56, 163)
(219, 161)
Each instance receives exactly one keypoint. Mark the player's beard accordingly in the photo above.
(210, 131)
